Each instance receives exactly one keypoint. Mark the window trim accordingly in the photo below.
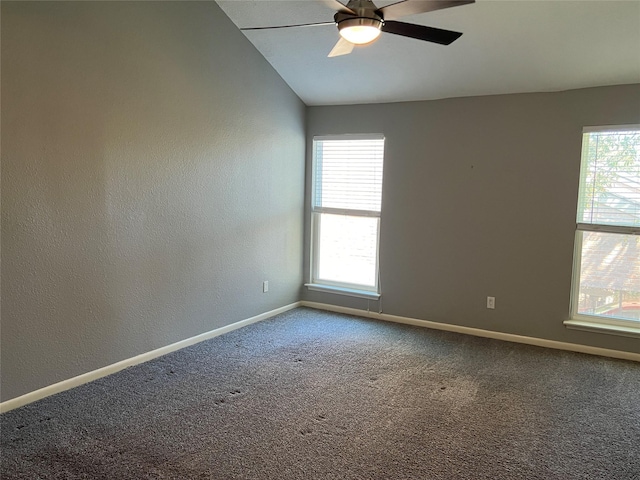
(590, 323)
(349, 292)
(597, 323)
(342, 288)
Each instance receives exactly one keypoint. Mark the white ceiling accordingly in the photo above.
(507, 47)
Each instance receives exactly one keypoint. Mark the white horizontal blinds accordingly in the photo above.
(348, 174)
(610, 178)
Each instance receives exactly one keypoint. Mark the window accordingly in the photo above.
(606, 281)
(345, 213)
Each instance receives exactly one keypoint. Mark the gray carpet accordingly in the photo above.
(314, 395)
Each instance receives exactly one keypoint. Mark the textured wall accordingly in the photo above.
(152, 178)
(479, 199)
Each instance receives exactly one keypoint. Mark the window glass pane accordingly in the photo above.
(347, 249)
(610, 275)
(348, 174)
(610, 178)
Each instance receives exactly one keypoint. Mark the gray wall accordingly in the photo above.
(152, 178)
(479, 199)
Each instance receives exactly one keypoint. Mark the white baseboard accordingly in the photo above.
(509, 337)
(116, 367)
(144, 357)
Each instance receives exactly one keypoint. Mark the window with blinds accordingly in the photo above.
(610, 178)
(606, 283)
(345, 210)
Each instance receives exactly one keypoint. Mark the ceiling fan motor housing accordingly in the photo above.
(364, 10)
(351, 21)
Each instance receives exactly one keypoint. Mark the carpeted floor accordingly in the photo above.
(315, 395)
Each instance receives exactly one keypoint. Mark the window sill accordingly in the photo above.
(350, 292)
(599, 327)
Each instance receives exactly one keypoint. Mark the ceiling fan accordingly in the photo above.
(360, 22)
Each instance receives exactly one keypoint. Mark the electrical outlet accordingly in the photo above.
(491, 302)
(265, 286)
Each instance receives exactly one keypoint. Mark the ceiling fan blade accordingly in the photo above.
(343, 47)
(411, 7)
(290, 26)
(337, 6)
(421, 32)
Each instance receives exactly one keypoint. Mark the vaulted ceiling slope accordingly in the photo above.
(510, 46)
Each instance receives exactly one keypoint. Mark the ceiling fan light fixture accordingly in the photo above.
(360, 30)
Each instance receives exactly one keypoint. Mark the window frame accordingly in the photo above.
(583, 321)
(316, 283)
